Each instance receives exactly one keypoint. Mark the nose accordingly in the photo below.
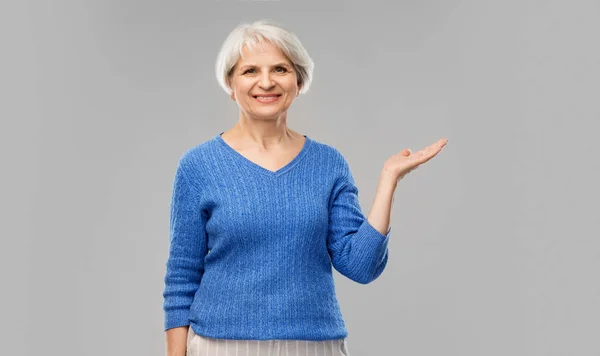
(265, 81)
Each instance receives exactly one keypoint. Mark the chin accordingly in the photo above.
(273, 116)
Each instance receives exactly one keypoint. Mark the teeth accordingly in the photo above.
(266, 98)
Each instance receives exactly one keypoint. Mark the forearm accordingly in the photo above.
(379, 216)
(177, 341)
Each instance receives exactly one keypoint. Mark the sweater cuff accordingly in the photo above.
(373, 240)
(374, 231)
(176, 318)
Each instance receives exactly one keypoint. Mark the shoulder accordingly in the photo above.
(332, 158)
(193, 160)
(195, 154)
(326, 150)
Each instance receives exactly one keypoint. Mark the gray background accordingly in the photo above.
(494, 246)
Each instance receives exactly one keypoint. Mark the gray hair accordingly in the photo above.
(260, 32)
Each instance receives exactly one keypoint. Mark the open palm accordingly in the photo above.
(404, 162)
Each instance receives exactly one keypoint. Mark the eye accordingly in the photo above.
(283, 69)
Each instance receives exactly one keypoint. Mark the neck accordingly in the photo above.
(263, 133)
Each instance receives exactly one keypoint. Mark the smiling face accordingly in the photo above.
(262, 72)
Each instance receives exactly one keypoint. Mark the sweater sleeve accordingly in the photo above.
(357, 250)
(188, 246)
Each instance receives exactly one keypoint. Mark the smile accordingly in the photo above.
(267, 99)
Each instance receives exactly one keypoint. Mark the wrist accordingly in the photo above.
(387, 177)
(387, 181)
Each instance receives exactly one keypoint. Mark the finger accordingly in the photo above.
(404, 153)
(432, 153)
(428, 152)
(436, 147)
(439, 144)
(425, 155)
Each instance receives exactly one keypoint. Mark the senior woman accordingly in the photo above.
(260, 213)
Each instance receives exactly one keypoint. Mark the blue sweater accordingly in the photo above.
(251, 250)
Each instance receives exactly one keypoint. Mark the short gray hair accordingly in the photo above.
(259, 32)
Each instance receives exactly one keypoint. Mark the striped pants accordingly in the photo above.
(198, 345)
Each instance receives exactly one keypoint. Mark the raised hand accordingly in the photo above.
(404, 162)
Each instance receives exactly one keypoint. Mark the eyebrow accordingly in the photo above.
(283, 64)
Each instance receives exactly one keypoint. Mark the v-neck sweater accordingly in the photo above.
(252, 250)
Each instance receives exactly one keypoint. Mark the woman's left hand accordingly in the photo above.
(404, 162)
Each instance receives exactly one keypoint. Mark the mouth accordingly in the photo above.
(266, 98)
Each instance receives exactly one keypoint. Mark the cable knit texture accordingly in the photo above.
(251, 250)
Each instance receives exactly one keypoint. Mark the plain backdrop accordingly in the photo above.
(494, 248)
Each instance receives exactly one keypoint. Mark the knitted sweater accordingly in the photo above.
(251, 250)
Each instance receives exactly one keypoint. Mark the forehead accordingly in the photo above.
(262, 52)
